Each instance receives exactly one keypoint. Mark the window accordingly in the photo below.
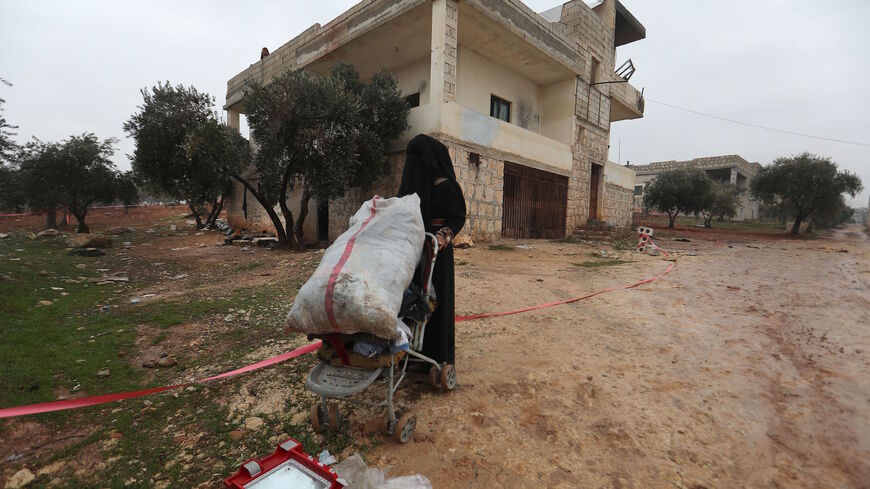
(413, 100)
(474, 158)
(593, 77)
(500, 108)
(638, 190)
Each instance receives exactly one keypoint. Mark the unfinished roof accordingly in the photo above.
(707, 163)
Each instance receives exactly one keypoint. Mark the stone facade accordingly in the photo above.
(556, 59)
(618, 203)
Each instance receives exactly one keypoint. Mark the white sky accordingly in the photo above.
(792, 64)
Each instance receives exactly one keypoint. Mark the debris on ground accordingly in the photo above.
(462, 242)
(47, 233)
(88, 241)
(358, 475)
(103, 373)
(119, 230)
(684, 240)
(326, 458)
(20, 479)
(87, 252)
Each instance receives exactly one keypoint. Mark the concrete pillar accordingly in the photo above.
(233, 119)
(442, 74)
(734, 176)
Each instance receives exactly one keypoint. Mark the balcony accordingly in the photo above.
(626, 102)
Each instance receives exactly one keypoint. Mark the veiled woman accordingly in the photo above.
(429, 174)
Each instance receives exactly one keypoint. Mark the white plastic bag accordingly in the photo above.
(359, 284)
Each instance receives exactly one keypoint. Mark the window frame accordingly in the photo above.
(496, 104)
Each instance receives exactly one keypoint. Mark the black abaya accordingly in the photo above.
(442, 205)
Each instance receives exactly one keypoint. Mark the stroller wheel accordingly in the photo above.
(435, 376)
(448, 377)
(405, 428)
(316, 417)
(334, 417)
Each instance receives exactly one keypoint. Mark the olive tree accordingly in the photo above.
(181, 148)
(322, 134)
(75, 173)
(720, 202)
(683, 190)
(802, 185)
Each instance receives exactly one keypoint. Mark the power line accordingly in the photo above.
(782, 131)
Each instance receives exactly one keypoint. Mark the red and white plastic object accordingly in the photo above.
(288, 468)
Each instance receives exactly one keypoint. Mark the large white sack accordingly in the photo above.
(366, 272)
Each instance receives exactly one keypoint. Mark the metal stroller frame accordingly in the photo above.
(340, 383)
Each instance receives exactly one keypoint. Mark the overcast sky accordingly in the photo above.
(795, 65)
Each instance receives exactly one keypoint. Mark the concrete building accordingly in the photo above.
(732, 169)
(524, 102)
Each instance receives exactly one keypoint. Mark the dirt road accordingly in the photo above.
(748, 366)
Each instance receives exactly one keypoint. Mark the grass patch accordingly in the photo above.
(625, 243)
(460, 263)
(247, 267)
(601, 263)
(501, 247)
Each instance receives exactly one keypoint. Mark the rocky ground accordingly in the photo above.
(747, 366)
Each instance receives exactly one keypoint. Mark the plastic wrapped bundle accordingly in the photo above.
(359, 284)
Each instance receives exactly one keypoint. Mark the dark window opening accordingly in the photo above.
(474, 158)
(413, 100)
(593, 77)
(638, 189)
(500, 108)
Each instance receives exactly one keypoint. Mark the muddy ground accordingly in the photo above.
(747, 366)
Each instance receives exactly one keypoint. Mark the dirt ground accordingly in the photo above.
(747, 366)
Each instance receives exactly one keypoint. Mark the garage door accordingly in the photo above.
(535, 203)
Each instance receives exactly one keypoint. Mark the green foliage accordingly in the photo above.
(803, 184)
(720, 201)
(75, 173)
(684, 190)
(181, 147)
(326, 133)
(7, 145)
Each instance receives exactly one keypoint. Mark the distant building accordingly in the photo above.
(524, 102)
(731, 169)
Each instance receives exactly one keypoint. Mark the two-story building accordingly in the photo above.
(731, 169)
(524, 101)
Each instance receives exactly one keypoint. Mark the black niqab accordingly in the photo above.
(426, 159)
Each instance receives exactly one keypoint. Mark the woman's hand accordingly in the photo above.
(445, 237)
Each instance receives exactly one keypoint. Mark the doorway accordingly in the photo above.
(594, 184)
(323, 222)
(535, 203)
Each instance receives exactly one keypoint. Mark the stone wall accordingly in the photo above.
(483, 188)
(618, 203)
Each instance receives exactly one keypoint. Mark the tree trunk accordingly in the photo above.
(51, 218)
(672, 218)
(303, 213)
(211, 213)
(195, 214)
(796, 227)
(276, 221)
(216, 209)
(288, 214)
(708, 221)
(810, 226)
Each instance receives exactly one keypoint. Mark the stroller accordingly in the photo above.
(341, 378)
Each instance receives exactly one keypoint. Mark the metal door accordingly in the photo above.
(535, 203)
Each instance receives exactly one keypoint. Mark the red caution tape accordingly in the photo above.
(47, 407)
(567, 301)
